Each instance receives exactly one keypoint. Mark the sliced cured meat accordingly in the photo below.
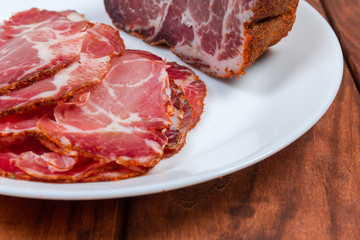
(219, 37)
(173, 134)
(69, 14)
(39, 44)
(24, 153)
(193, 87)
(10, 151)
(113, 172)
(97, 117)
(3, 39)
(122, 119)
(23, 123)
(51, 167)
(25, 158)
(37, 165)
(55, 167)
(99, 45)
(181, 121)
(8, 167)
(44, 165)
(73, 15)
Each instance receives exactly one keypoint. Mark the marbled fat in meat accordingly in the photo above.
(208, 34)
(38, 44)
(122, 119)
(99, 45)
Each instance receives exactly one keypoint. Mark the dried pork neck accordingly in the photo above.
(74, 107)
(122, 119)
(26, 154)
(99, 44)
(188, 94)
(32, 143)
(221, 38)
(36, 44)
(193, 88)
(26, 158)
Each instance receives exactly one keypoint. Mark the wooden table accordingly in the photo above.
(309, 190)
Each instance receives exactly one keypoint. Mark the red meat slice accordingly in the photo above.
(55, 167)
(39, 43)
(95, 115)
(181, 121)
(22, 155)
(193, 87)
(173, 133)
(3, 39)
(122, 119)
(100, 43)
(8, 167)
(12, 149)
(45, 165)
(25, 158)
(113, 172)
(23, 123)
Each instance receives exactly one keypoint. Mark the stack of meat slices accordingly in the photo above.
(75, 106)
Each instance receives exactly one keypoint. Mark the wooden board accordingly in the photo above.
(345, 19)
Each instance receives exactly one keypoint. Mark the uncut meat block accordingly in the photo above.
(219, 37)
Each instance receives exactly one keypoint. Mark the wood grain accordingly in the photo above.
(345, 19)
(44, 219)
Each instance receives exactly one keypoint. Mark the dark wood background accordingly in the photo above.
(309, 190)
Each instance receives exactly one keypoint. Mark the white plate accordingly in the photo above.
(246, 120)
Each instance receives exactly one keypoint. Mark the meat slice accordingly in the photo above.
(113, 172)
(8, 167)
(13, 149)
(173, 134)
(89, 115)
(46, 165)
(99, 45)
(122, 119)
(193, 88)
(190, 93)
(181, 120)
(3, 38)
(220, 37)
(23, 156)
(26, 158)
(73, 15)
(23, 123)
(39, 43)
(55, 167)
